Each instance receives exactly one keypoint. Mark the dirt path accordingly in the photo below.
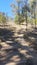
(15, 49)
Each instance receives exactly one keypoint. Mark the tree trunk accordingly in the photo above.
(35, 18)
(26, 20)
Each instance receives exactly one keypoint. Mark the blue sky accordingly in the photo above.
(5, 7)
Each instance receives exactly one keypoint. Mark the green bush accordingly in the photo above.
(2, 18)
(19, 19)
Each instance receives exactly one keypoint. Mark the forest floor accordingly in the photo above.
(18, 46)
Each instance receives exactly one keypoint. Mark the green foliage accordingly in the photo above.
(25, 12)
(2, 18)
(19, 19)
(16, 19)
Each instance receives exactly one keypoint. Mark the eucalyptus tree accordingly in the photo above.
(25, 11)
(21, 9)
(16, 8)
(2, 18)
(33, 6)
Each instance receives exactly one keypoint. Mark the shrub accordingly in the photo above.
(19, 19)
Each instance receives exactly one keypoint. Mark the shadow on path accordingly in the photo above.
(13, 54)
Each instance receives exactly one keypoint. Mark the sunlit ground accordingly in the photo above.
(17, 45)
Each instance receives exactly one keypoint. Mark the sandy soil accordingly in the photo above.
(17, 45)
